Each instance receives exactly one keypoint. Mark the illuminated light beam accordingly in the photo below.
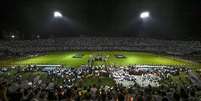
(57, 14)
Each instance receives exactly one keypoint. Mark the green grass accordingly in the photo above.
(8, 74)
(98, 81)
(31, 75)
(66, 59)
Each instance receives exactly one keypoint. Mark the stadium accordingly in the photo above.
(102, 50)
(101, 62)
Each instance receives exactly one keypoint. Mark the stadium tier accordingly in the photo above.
(101, 43)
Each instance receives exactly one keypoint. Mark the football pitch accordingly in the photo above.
(68, 59)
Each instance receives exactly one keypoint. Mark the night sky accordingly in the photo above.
(170, 19)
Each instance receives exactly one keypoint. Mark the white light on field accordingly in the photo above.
(13, 36)
(57, 14)
(145, 15)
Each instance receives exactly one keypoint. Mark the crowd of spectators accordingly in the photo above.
(15, 88)
(100, 43)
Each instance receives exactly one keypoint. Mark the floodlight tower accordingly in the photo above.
(145, 17)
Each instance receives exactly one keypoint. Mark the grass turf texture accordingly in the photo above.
(66, 58)
(98, 81)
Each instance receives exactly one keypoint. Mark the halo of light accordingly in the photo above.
(13, 36)
(57, 14)
(145, 15)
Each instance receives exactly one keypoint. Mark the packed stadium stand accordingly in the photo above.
(102, 43)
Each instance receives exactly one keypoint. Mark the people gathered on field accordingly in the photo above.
(132, 83)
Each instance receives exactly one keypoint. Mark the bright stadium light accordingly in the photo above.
(57, 14)
(145, 15)
(12, 36)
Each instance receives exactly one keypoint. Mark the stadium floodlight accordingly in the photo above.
(38, 36)
(145, 15)
(57, 14)
(12, 36)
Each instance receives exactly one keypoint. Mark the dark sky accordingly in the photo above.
(170, 19)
